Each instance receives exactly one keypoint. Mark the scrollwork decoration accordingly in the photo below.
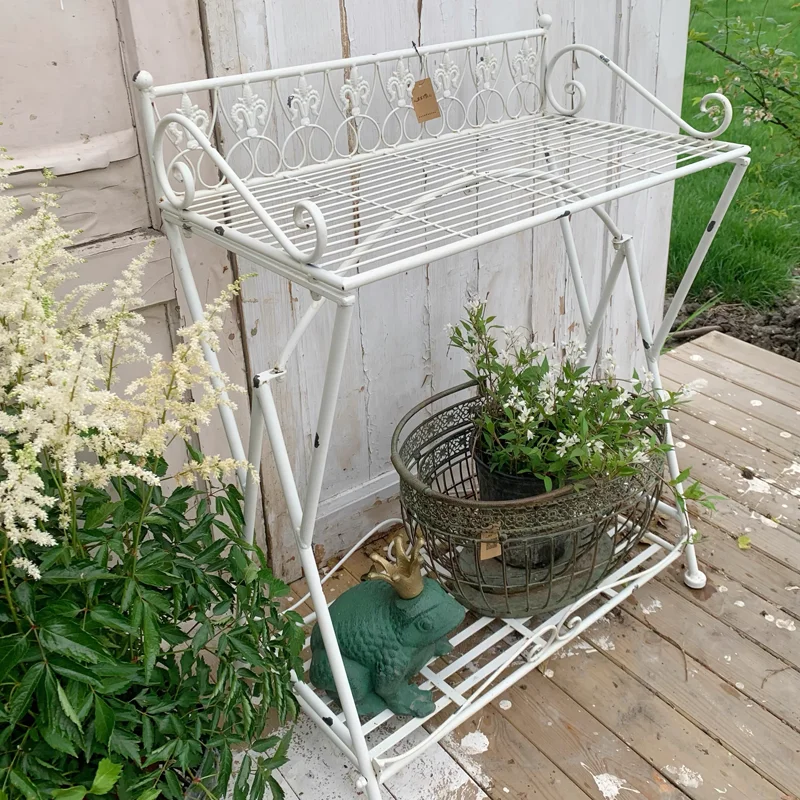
(248, 110)
(304, 102)
(400, 84)
(196, 115)
(354, 92)
(447, 75)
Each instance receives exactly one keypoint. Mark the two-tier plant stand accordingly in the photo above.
(330, 182)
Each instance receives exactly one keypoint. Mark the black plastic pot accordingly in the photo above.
(497, 486)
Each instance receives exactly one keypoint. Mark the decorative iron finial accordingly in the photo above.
(405, 575)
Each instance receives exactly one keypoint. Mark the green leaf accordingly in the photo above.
(23, 594)
(77, 672)
(79, 575)
(242, 780)
(275, 788)
(24, 785)
(152, 641)
(12, 648)
(109, 617)
(21, 698)
(67, 638)
(743, 542)
(224, 771)
(67, 706)
(211, 552)
(72, 793)
(163, 753)
(262, 745)
(125, 744)
(201, 637)
(106, 777)
(149, 794)
(104, 720)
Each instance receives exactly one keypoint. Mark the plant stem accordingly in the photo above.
(7, 586)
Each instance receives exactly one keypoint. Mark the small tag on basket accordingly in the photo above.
(423, 98)
(490, 543)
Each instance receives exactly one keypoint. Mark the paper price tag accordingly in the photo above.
(423, 98)
(490, 543)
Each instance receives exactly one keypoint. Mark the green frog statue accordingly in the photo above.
(388, 627)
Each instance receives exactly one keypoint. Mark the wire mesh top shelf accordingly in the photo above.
(328, 172)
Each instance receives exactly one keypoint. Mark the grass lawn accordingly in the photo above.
(757, 250)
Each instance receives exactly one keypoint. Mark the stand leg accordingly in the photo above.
(693, 577)
(184, 272)
(322, 440)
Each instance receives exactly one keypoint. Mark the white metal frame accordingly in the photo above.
(484, 178)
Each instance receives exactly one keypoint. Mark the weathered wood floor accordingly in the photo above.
(680, 694)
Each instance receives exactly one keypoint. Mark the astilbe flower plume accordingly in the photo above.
(63, 405)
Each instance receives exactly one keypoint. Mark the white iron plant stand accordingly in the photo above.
(391, 195)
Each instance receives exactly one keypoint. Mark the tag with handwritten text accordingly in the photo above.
(423, 98)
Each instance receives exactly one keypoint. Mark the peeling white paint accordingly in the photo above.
(727, 658)
(505, 704)
(686, 437)
(605, 644)
(474, 743)
(575, 649)
(712, 422)
(739, 685)
(680, 445)
(548, 673)
(610, 785)
(739, 603)
(722, 589)
(769, 618)
(770, 523)
(651, 607)
(745, 729)
(785, 435)
(695, 357)
(793, 468)
(756, 403)
(791, 588)
(786, 624)
(756, 485)
(685, 777)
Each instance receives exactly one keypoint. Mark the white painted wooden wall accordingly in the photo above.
(65, 104)
(398, 351)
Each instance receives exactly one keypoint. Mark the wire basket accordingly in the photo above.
(511, 558)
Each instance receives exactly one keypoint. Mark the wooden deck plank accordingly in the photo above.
(743, 375)
(743, 611)
(718, 550)
(704, 768)
(738, 660)
(710, 385)
(767, 466)
(748, 731)
(741, 424)
(744, 502)
(590, 753)
(505, 763)
(746, 353)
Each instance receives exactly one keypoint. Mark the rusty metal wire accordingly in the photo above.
(513, 558)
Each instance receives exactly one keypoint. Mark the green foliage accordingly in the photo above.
(556, 419)
(753, 260)
(152, 644)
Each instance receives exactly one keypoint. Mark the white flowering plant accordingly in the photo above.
(141, 637)
(548, 415)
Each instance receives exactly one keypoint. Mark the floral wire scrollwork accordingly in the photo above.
(248, 110)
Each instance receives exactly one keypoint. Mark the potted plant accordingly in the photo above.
(140, 637)
(549, 423)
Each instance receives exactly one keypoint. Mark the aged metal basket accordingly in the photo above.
(510, 558)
